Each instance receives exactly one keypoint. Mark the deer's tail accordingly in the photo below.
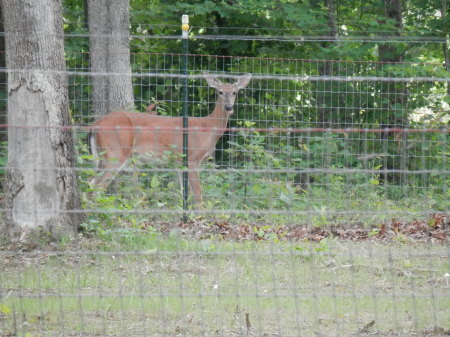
(92, 146)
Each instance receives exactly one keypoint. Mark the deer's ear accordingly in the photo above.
(243, 81)
(212, 81)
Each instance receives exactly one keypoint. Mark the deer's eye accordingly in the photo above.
(234, 93)
(220, 92)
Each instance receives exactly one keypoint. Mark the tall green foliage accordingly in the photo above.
(341, 38)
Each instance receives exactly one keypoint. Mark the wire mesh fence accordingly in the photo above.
(334, 139)
(313, 150)
(335, 289)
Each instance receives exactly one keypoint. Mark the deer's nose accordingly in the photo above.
(228, 107)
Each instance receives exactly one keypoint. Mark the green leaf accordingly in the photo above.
(374, 182)
(155, 181)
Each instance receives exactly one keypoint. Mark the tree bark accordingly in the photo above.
(391, 53)
(327, 115)
(332, 18)
(42, 193)
(109, 24)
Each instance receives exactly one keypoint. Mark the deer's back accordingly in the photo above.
(128, 132)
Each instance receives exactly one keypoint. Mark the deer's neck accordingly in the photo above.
(219, 117)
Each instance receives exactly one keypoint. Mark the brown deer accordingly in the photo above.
(116, 137)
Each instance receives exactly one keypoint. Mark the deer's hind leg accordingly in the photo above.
(107, 172)
(194, 182)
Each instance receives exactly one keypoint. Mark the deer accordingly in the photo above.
(118, 136)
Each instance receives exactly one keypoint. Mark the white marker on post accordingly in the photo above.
(185, 26)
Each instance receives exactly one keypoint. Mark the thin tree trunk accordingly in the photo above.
(390, 53)
(110, 53)
(332, 18)
(326, 113)
(41, 186)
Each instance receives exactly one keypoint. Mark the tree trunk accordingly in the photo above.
(109, 25)
(332, 18)
(326, 113)
(41, 186)
(389, 52)
(395, 98)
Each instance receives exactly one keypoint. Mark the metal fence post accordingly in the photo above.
(184, 65)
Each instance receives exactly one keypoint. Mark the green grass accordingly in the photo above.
(176, 286)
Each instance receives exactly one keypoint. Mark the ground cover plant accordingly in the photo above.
(267, 185)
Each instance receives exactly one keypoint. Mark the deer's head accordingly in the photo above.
(227, 91)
